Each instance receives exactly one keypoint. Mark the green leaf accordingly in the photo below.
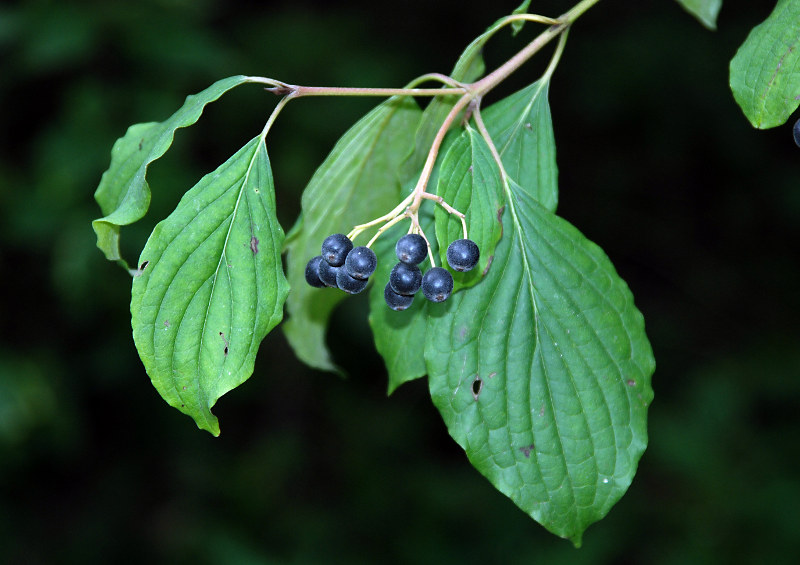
(359, 181)
(211, 286)
(516, 27)
(469, 181)
(765, 72)
(123, 193)
(399, 336)
(522, 130)
(705, 11)
(542, 371)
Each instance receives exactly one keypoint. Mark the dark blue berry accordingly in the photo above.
(361, 262)
(327, 273)
(396, 301)
(411, 248)
(312, 272)
(796, 132)
(463, 255)
(437, 284)
(405, 279)
(348, 283)
(335, 248)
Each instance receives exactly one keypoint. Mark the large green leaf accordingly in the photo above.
(123, 193)
(705, 11)
(359, 181)
(522, 130)
(211, 286)
(765, 72)
(469, 180)
(542, 371)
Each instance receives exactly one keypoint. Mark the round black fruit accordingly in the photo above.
(327, 273)
(405, 279)
(463, 255)
(796, 132)
(411, 248)
(396, 301)
(312, 272)
(348, 283)
(335, 248)
(361, 262)
(437, 284)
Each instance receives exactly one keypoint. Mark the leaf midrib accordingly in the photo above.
(222, 256)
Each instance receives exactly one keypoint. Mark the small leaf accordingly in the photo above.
(357, 182)
(469, 181)
(542, 371)
(123, 193)
(211, 286)
(522, 130)
(469, 67)
(705, 11)
(399, 336)
(765, 72)
(516, 27)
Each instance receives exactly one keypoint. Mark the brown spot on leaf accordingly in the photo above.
(488, 264)
(527, 449)
(254, 244)
(141, 141)
(630, 382)
(166, 323)
(225, 341)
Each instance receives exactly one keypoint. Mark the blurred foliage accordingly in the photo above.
(699, 212)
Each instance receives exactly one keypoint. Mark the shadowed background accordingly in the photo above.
(698, 212)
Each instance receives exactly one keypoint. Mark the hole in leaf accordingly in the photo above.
(477, 387)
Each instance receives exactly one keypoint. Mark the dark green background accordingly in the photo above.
(698, 211)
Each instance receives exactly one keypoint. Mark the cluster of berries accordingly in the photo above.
(341, 265)
(346, 267)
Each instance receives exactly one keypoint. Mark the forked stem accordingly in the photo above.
(470, 99)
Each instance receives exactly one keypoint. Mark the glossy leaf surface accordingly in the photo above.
(211, 286)
(522, 130)
(765, 72)
(469, 181)
(542, 371)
